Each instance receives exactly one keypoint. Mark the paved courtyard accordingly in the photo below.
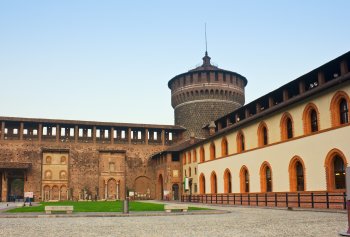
(240, 222)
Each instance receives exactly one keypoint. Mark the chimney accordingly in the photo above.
(192, 138)
(212, 127)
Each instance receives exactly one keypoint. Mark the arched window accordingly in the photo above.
(310, 119)
(227, 181)
(286, 127)
(266, 177)
(212, 151)
(339, 173)
(313, 121)
(201, 154)
(240, 142)
(244, 180)
(262, 135)
(189, 157)
(184, 158)
(194, 155)
(213, 183)
(344, 111)
(335, 170)
(202, 184)
(189, 172)
(289, 128)
(224, 147)
(297, 175)
(340, 108)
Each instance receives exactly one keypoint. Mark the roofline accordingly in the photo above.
(217, 70)
(91, 123)
(342, 79)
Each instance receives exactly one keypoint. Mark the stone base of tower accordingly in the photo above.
(195, 115)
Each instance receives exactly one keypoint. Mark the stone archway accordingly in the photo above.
(143, 187)
(55, 193)
(63, 193)
(112, 189)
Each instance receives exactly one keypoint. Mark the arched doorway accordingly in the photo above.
(175, 190)
(55, 193)
(15, 185)
(202, 184)
(160, 187)
(213, 183)
(112, 189)
(63, 193)
(143, 187)
(227, 181)
(47, 193)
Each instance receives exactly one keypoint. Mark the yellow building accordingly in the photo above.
(293, 139)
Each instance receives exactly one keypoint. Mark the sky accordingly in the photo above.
(111, 60)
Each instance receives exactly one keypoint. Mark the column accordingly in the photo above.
(146, 136)
(50, 193)
(4, 187)
(94, 134)
(343, 68)
(21, 127)
(76, 134)
(106, 190)
(320, 78)
(118, 190)
(58, 132)
(2, 130)
(258, 108)
(59, 194)
(112, 135)
(163, 137)
(40, 132)
(129, 135)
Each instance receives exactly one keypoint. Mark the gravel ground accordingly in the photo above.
(240, 222)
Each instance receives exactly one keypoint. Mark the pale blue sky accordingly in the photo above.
(111, 60)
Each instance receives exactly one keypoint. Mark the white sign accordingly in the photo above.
(28, 194)
(187, 185)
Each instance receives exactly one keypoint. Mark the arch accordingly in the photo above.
(63, 193)
(266, 177)
(224, 147)
(47, 191)
(286, 125)
(143, 186)
(311, 118)
(55, 193)
(213, 183)
(212, 151)
(189, 158)
(335, 178)
(194, 155)
(244, 179)
(63, 160)
(240, 142)
(340, 115)
(201, 183)
(175, 189)
(160, 187)
(48, 174)
(227, 181)
(263, 138)
(297, 174)
(112, 189)
(184, 158)
(63, 174)
(189, 172)
(201, 154)
(48, 159)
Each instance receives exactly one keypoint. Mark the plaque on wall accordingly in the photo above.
(175, 173)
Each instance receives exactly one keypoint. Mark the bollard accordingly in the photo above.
(347, 181)
(126, 206)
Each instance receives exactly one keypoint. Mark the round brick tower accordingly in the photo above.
(204, 94)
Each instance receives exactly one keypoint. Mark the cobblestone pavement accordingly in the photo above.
(241, 221)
